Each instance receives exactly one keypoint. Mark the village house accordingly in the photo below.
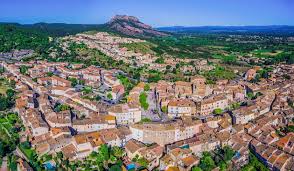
(126, 114)
(179, 157)
(151, 153)
(117, 92)
(244, 114)
(181, 107)
(86, 143)
(93, 123)
(57, 81)
(182, 89)
(34, 122)
(200, 89)
(250, 74)
(208, 105)
(165, 133)
(54, 81)
(39, 70)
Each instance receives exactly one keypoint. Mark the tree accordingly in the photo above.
(1, 149)
(23, 69)
(97, 98)
(143, 101)
(103, 156)
(62, 107)
(228, 153)
(73, 81)
(223, 166)
(26, 145)
(59, 155)
(218, 111)
(82, 82)
(12, 164)
(146, 87)
(250, 95)
(10, 93)
(115, 168)
(135, 158)
(49, 74)
(144, 120)
(230, 59)
(159, 60)
(12, 83)
(206, 162)
(287, 77)
(235, 106)
(168, 67)
(196, 169)
(219, 73)
(290, 59)
(17, 37)
(164, 109)
(109, 96)
(2, 70)
(87, 90)
(254, 164)
(112, 159)
(4, 103)
(117, 151)
(142, 161)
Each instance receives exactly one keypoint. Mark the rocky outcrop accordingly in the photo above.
(131, 26)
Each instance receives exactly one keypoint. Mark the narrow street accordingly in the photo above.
(4, 164)
(152, 112)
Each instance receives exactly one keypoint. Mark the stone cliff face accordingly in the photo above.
(131, 26)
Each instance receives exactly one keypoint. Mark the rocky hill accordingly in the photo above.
(121, 24)
(131, 26)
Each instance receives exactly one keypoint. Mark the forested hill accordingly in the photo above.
(58, 29)
(13, 36)
(37, 36)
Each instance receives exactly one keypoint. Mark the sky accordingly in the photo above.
(153, 12)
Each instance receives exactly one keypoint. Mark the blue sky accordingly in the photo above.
(153, 12)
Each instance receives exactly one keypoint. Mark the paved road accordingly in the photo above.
(4, 164)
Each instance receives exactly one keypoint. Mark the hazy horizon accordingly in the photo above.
(164, 13)
(153, 27)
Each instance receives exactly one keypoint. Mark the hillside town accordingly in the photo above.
(74, 110)
(110, 45)
(146, 85)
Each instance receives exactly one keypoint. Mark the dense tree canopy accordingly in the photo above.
(14, 37)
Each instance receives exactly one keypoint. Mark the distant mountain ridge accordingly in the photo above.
(272, 29)
(132, 26)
